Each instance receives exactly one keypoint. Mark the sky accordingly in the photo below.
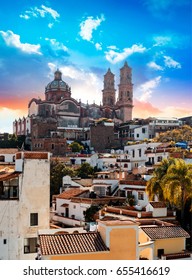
(84, 38)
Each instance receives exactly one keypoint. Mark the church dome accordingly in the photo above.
(57, 84)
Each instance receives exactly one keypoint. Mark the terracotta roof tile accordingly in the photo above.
(72, 192)
(36, 155)
(84, 182)
(164, 232)
(8, 176)
(8, 151)
(71, 243)
(158, 204)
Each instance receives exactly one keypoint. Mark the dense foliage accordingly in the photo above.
(172, 182)
(183, 133)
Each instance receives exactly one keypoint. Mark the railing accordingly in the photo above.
(67, 220)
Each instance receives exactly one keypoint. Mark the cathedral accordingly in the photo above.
(59, 114)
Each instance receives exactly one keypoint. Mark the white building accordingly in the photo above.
(68, 212)
(24, 205)
(136, 189)
(7, 155)
(137, 153)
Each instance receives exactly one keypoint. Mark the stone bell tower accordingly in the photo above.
(125, 95)
(109, 89)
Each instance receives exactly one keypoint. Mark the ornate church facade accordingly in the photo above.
(60, 115)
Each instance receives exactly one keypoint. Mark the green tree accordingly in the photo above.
(154, 185)
(90, 213)
(177, 185)
(183, 133)
(85, 170)
(76, 147)
(57, 171)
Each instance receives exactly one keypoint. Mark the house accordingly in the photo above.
(24, 205)
(7, 155)
(69, 207)
(137, 153)
(116, 239)
(134, 186)
(113, 240)
(158, 208)
(68, 213)
(161, 240)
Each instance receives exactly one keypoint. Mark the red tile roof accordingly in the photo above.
(8, 176)
(8, 151)
(36, 155)
(77, 243)
(165, 232)
(72, 192)
(158, 204)
(133, 182)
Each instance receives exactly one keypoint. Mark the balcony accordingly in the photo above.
(67, 221)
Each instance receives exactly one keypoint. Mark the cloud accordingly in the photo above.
(162, 41)
(7, 116)
(144, 109)
(50, 11)
(175, 111)
(112, 47)
(164, 8)
(13, 40)
(25, 16)
(145, 90)
(98, 46)
(171, 40)
(113, 56)
(84, 84)
(87, 26)
(42, 12)
(171, 63)
(50, 25)
(154, 65)
(57, 45)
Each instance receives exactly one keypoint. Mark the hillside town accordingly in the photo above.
(86, 181)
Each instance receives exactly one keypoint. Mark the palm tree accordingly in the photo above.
(154, 185)
(177, 184)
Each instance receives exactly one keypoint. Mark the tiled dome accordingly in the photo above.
(57, 84)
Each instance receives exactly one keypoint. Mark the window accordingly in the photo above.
(137, 135)
(160, 252)
(4, 241)
(129, 194)
(2, 158)
(133, 153)
(139, 152)
(52, 146)
(30, 245)
(159, 159)
(143, 130)
(140, 196)
(34, 219)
